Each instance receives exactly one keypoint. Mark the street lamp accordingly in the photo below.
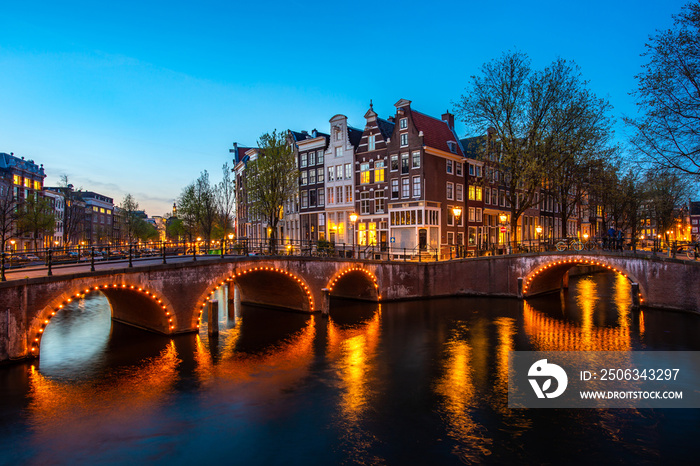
(353, 219)
(503, 219)
(457, 211)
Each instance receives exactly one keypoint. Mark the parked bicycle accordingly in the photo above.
(691, 252)
(573, 244)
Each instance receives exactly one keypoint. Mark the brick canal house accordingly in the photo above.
(312, 189)
(426, 183)
(371, 184)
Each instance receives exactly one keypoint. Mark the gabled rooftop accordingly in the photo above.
(436, 133)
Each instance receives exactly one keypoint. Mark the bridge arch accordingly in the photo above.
(127, 304)
(549, 275)
(356, 283)
(266, 285)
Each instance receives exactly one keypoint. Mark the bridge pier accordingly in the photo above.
(213, 317)
(326, 304)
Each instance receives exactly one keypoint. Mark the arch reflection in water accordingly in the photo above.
(270, 342)
(354, 332)
(70, 416)
(77, 337)
(592, 321)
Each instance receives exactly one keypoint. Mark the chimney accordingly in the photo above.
(390, 119)
(449, 118)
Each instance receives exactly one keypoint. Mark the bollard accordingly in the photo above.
(92, 259)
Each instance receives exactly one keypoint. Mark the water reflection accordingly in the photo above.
(420, 382)
(351, 350)
(459, 398)
(597, 316)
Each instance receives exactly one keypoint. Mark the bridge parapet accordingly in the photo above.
(170, 298)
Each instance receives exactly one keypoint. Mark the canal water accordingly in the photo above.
(421, 382)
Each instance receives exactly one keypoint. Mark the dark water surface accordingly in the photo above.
(406, 383)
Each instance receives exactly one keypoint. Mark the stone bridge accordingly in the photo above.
(171, 298)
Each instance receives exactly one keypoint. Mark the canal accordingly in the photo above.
(420, 382)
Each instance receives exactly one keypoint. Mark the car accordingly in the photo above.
(31, 257)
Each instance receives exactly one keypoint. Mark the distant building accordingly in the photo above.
(694, 214)
(58, 202)
(98, 217)
(22, 178)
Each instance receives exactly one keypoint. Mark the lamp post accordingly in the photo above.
(503, 218)
(353, 219)
(538, 229)
(457, 211)
(230, 240)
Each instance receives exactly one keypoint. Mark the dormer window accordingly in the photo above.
(453, 146)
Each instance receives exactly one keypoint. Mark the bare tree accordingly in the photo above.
(667, 132)
(225, 200)
(543, 123)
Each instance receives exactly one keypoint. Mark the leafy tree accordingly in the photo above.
(36, 217)
(8, 214)
(544, 125)
(271, 179)
(667, 132)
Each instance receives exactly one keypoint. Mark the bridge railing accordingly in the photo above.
(57, 257)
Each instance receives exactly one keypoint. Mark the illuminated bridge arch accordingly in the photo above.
(129, 303)
(551, 275)
(354, 282)
(263, 285)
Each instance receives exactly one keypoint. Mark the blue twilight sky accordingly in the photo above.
(141, 96)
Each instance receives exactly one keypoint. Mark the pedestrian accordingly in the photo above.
(612, 235)
(620, 239)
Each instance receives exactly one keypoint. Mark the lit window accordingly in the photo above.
(472, 193)
(379, 171)
(364, 173)
(478, 193)
(17, 179)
